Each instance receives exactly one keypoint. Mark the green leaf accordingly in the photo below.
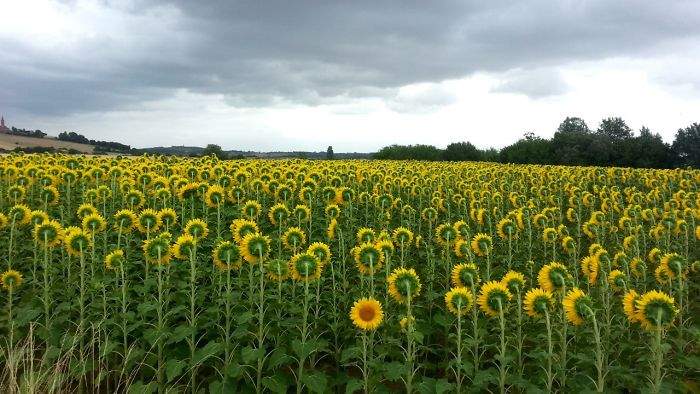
(353, 385)
(278, 358)
(393, 370)
(249, 355)
(173, 369)
(276, 384)
(234, 370)
(179, 333)
(433, 386)
(351, 353)
(141, 388)
(316, 382)
(211, 349)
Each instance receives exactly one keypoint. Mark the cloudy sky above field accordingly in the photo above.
(358, 75)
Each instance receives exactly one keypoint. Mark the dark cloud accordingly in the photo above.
(537, 83)
(256, 53)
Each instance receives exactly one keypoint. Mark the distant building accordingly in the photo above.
(3, 128)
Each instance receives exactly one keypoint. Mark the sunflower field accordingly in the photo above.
(163, 274)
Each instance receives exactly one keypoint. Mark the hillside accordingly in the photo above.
(9, 142)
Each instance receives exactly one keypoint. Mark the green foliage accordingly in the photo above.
(687, 146)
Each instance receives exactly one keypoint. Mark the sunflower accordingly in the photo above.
(148, 221)
(76, 241)
(305, 267)
(3, 221)
(629, 302)
(293, 238)
(188, 191)
(515, 281)
(368, 258)
(482, 244)
(568, 244)
(157, 251)
(462, 248)
(465, 275)
(48, 234)
(252, 209)
(365, 235)
(662, 275)
(322, 251)
(332, 211)
(242, 227)
(226, 256)
(38, 217)
(184, 246)
(445, 234)
(330, 231)
(277, 270)
(16, 192)
(493, 298)
(404, 284)
(590, 268)
(50, 195)
(10, 280)
(406, 322)
(654, 255)
(402, 236)
(552, 276)
(168, 217)
(302, 213)
(125, 220)
(507, 229)
(638, 267)
(366, 314)
(215, 196)
(617, 279)
(385, 246)
(114, 259)
(19, 214)
(655, 309)
(94, 223)
(673, 264)
(254, 247)
(86, 210)
(459, 300)
(278, 214)
(537, 302)
(576, 304)
(135, 199)
(197, 228)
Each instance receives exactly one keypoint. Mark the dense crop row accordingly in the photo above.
(152, 273)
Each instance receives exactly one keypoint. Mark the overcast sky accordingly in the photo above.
(358, 75)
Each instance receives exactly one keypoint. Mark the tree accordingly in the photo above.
(213, 149)
(687, 146)
(329, 153)
(409, 152)
(573, 125)
(614, 128)
(528, 150)
(461, 151)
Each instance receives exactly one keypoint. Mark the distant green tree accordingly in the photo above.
(213, 149)
(461, 151)
(614, 128)
(329, 153)
(528, 150)
(409, 152)
(687, 146)
(573, 125)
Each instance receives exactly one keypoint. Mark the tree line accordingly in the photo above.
(613, 143)
(100, 146)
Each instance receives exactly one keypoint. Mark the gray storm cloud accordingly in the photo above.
(257, 53)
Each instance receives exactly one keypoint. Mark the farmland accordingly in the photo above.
(153, 274)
